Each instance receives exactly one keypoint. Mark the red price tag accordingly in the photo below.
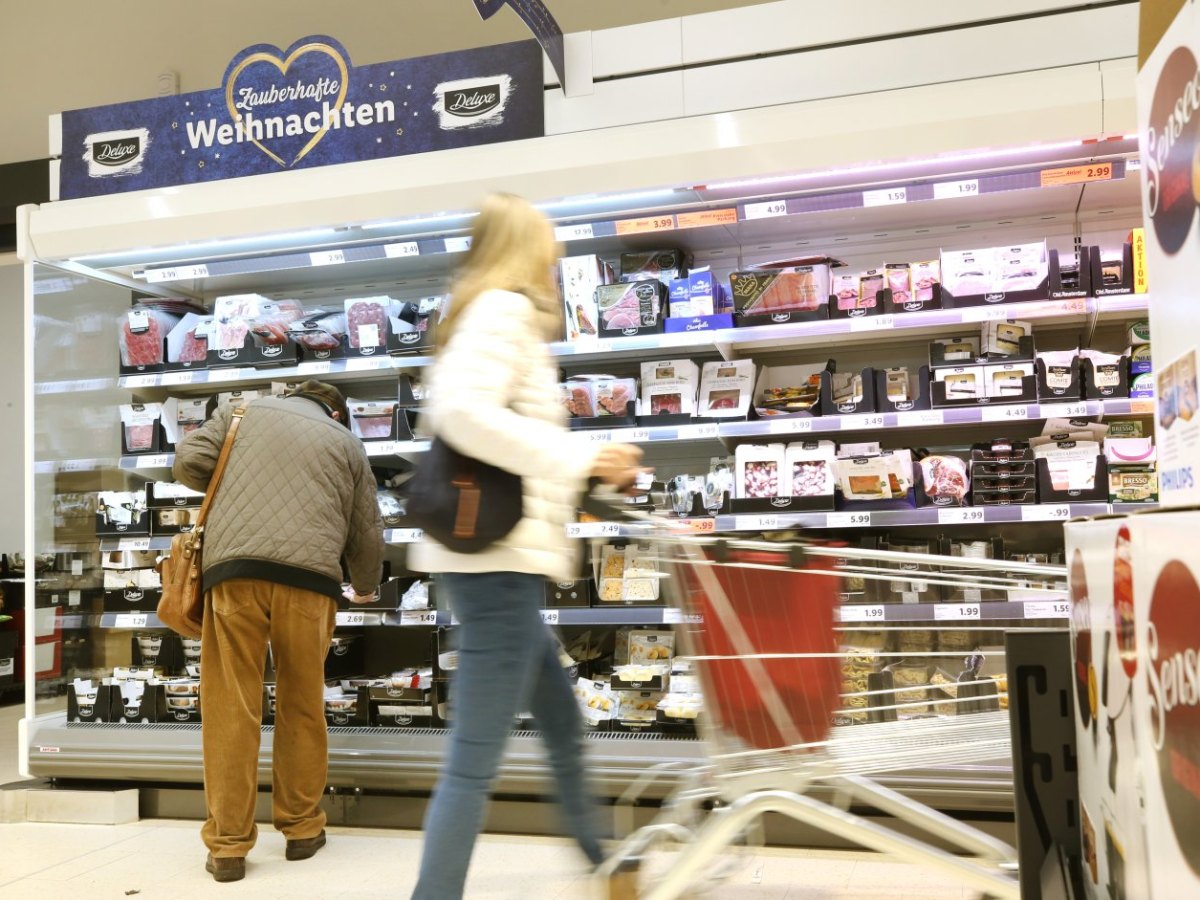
(708, 217)
(1077, 174)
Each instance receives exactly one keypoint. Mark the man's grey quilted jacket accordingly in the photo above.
(297, 491)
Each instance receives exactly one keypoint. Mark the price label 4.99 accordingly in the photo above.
(767, 210)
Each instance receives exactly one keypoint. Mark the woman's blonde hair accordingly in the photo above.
(512, 249)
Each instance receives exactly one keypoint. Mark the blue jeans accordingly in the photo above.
(507, 662)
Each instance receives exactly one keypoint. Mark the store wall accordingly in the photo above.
(12, 407)
(67, 55)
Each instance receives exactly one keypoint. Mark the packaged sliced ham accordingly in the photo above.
(870, 283)
(272, 320)
(811, 468)
(760, 471)
(140, 421)
(612, 396)
(143, 330)
(726, 388)
(924, 276)
(899, 282)
(945, 479)
(372, 420)
(188, 340)
(232, 316)
(845, 290)
(622, 307)
(319, 329)
(182, 416)
(367, 321)
(577, 399)
(669, 387)
(766, 292)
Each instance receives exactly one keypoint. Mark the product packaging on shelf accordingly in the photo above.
(1060, 375)
(669, 388)
(187, 343)
(1112, 270)
(845, 393)
(320, 331)
(367, 321)
(1140, 361)
(901, 389)
(123, 513)
(596, 701)
(761, 472)
(662, 265)
(181, 416)
(795, 294)
(1003, 340)
(868, 475)
(628, 574)
(699, 295)
(995, 275)
(629, 309)
(579, 277)
(1104, 374)
(926, 278)
(413, 323)
(954, 351)
(788, 391)
(1070, 470)
(1132, 469)
(1008, 381)
(810, 466)
(141, 428)
(142, 337)
(726, 389)
(963, 383)
(944, 481)
(372, 420)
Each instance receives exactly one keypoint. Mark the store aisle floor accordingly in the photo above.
(161, 859)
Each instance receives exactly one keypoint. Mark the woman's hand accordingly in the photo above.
(618, 465)
(354, 597)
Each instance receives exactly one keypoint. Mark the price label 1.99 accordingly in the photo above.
(418, 617)
(857, 613)
(966, 516)
(956, 612)
(873, 323)
(949, 190)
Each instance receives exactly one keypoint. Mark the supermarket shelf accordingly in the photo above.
(111, 544)
(130, 620)
(402, 535)
(377, 449)
(393, 759)
(594, 351)
(142, 461)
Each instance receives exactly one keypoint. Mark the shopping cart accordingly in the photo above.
(760, 635)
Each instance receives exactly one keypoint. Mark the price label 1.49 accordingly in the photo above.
(418, 617)
(956, 612)
(550, 616)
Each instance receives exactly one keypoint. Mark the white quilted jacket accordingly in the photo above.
(494, 397)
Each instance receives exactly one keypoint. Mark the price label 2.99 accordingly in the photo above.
(960, 516)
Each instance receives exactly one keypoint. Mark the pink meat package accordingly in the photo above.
(367, 321)
(188, 341)
(372, 420)
(143, 331)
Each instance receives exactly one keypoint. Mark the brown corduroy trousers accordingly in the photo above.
(240, 616)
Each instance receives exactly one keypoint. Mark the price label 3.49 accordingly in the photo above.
(956, 612)
(1063, 410)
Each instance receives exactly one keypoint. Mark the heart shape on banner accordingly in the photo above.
(283, 64)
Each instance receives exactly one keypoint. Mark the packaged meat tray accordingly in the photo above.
(144, 330)
(372, 420)
(664, 265)
(140, 427)
(630, 309)
(187, 343)
(726, 388)
(579, 276)
(944, 481)
(778, 294)
(319, 329)
(367, 321)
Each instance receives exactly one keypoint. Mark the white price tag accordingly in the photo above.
(566, 233)
(224, 374)
(920, 418)
(380, 448)
(130, 620)
(327, 257)
(1048, 609)
(861, 613)
(699, 432)
(967, 516)
(885, 197)
(139, 320)
(141, 543)
(6, 667)
(873, 323)
(134, 381)
(399, 251)
(77, 567)
(177, 377)
(862, 422)
(418, 617)
(1005, 413)
(1063, 410)
(550, 616)
(673, 616)
(761, 523)
(985, 314)
(403, 535)
(176, 273)
(160, 461)
(316, 367)
(458, 245)
(955, 612)
(848, 520)
(633, 435)
(789, 426)
(76, 465)
(593, 529)
(367, 363)
(599, 437)
(767, 210)
(1049, 513)
(948, 190)
(351, 618)
(74, 598)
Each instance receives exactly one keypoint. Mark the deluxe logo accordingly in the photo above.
(227, 354)
(403, 719)
(629, 332)
(181, 501)
(904, 405)
(116, 153)
(1168, 149)
(321, 354)
(847, 407)
(781, 502)
(473, 102)
(993, 298)
(781, 318)
(1173, 675)
(366, 351)
(272, 350)
(913, 306)
(410, 337)
(133, 595)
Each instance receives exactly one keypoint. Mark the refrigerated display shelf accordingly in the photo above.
(397, 759)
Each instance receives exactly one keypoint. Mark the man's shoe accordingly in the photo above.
(226, 868)
(305, 847)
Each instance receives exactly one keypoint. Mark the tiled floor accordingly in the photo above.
(164, 859)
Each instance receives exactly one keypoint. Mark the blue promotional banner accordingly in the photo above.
(300, 108)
